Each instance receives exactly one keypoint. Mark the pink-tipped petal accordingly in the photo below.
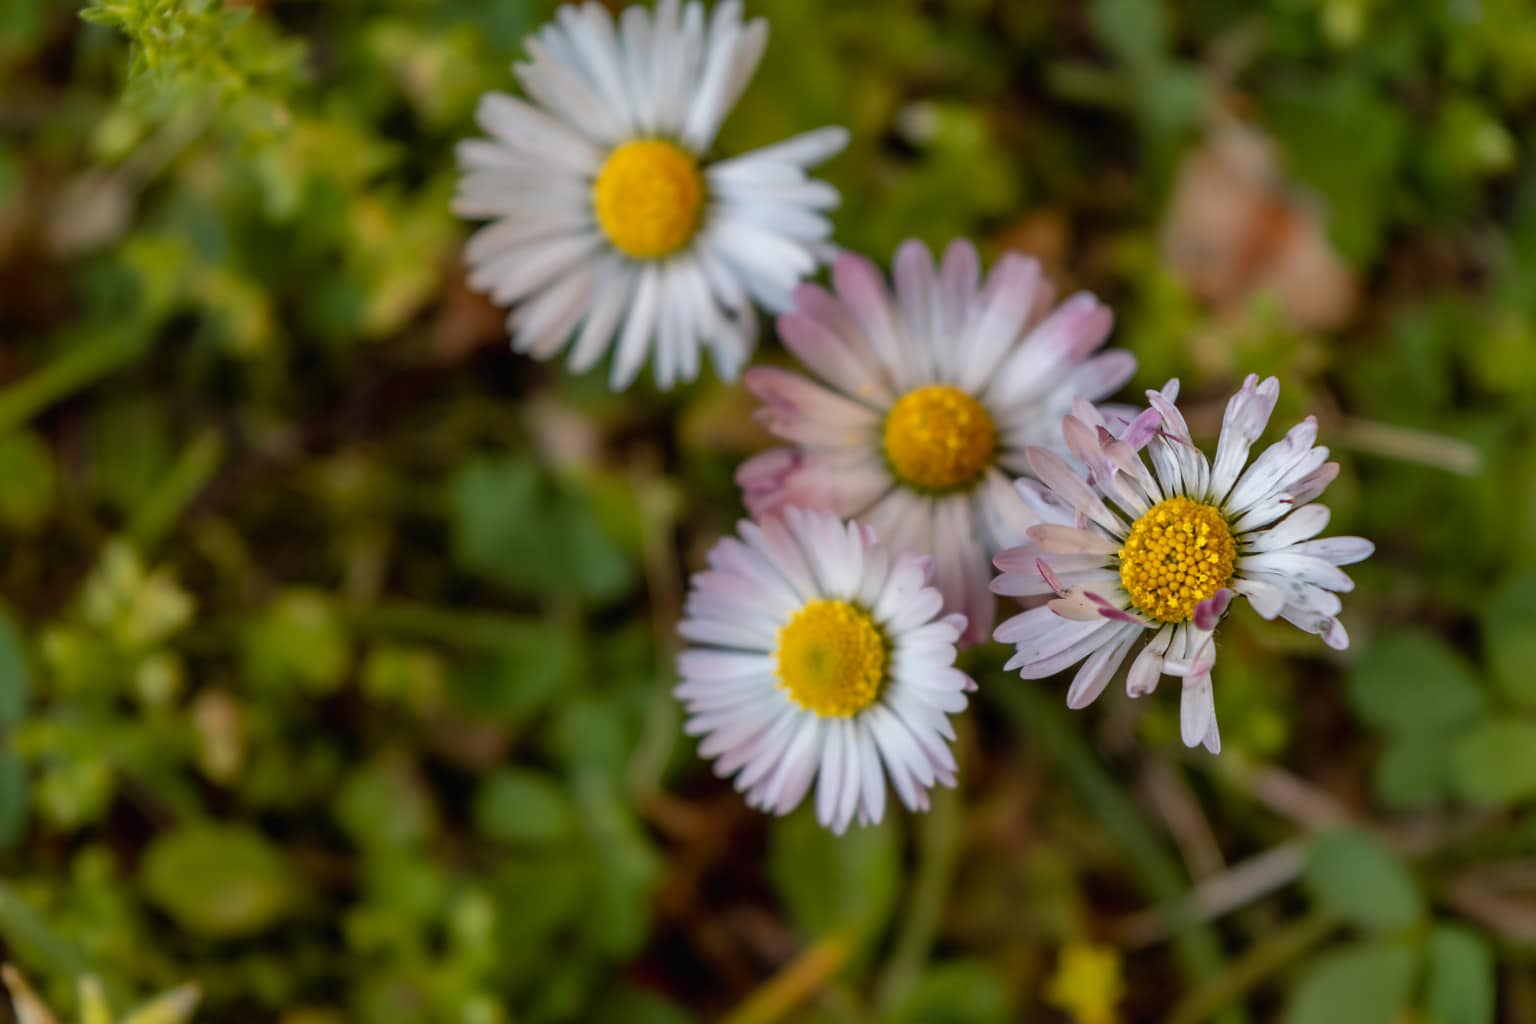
(1210, 611)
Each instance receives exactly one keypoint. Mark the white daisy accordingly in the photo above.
(925, 402)
(608, 220)
(1134, 555)
(821, 655)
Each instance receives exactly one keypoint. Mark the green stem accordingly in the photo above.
(1155, 870)
(798, 981)
(158, 512)
(75, 368)
(1264, 959)
(659, 735)
(938, 842)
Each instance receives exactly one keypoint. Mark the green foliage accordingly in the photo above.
(217, 880)
(298, 642)
(522, 807)
(532, 536)
(1509, 626)
(336, 645)
(956, 992)
(1352, 876)
(1410, 682)
(1344, 137)
(27, 466)
(1459, 977)
(1496, 763)
(834, 886)
(201, 51)
(1365, 984)
(14, 683)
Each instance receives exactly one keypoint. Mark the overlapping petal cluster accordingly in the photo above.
(921, 403)
(938, 423)
(1218, 530)
(611, 226)
(821, 656)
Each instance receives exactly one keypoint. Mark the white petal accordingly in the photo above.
(529, 130)
(1100, 668)
(1147, 669)
(1246, 416)
(1197, 711)
(639, 327)
(1337, 550)
(829, 778)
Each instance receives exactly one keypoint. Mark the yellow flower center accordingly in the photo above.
(831, 659)
(939, 438)
(648, 196)
(1179, 553)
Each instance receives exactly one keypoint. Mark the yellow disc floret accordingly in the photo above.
(831, 659)
(1179, 553)
(938, 438)
(648, 197)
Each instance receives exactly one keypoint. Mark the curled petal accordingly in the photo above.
(1210, 611)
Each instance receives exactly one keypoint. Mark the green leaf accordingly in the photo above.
(519, 530)
(218, 880)
(1460, 987)
(1365, 984)
(1413, 770)
(384, 804)
(595, 735)
(26, 466)
(635, 1006)
(957, 992)
(518, 806)
(834, 883)
(297, 641)
(1343, 137)
(1496, 762)
(1352, 875)
(1509, 636)
(538, 896)
(1135, 31)
(534, 663)
(13, 797)
(1411, 682)
(408, 674)
(628, 867)
(14, 674)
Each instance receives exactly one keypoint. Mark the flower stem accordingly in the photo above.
(1154, 868)
(796, 982)
(938, 840)
(1268, 956)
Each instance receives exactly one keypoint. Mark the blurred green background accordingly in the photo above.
(336, 643)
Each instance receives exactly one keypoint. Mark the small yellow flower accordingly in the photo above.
(1087, 983)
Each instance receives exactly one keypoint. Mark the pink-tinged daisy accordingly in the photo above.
(611, 223)
(1155, 557)
(920, 405)
(819, 655)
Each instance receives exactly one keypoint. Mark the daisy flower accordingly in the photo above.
(609, 220)
(919, 406)
(1155, 557)
(820, 655)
